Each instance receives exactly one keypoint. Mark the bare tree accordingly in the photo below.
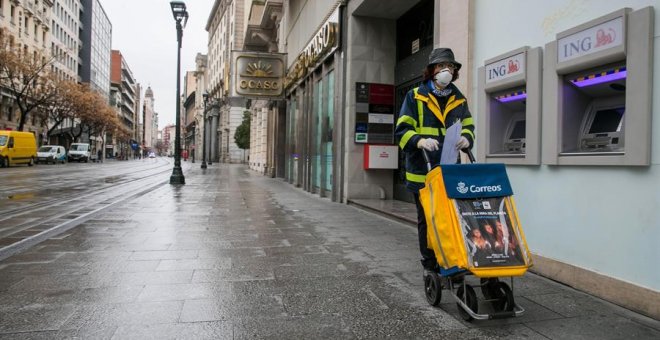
(27, 77)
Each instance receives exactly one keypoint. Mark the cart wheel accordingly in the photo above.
(488, 288)
(470, 300)
(433, 289)
(504, 296)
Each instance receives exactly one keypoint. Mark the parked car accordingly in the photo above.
(17, 147)
(79, 152)
(51, 154)
(152, 155)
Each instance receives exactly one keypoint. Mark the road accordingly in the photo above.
(42, 201)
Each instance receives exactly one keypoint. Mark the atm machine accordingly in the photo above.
(597, 91)
(510, 101)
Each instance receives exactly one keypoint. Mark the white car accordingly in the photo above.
(152, 155)
(51, 154)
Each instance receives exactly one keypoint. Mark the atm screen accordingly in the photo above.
(607, 120)
(518, 131)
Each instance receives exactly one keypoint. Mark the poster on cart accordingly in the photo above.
(490, 237)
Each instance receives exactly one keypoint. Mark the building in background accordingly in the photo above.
(150, 121)
(225, 26)
(65, 43)
(96, 39)
(188, 114)
(167, 135)
(268, 116)
(125, 98)
(201, 89)
(25, 25)
(65, 39)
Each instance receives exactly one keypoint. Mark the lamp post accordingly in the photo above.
(206, 98)
(179, 12)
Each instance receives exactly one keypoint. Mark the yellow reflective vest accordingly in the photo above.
(425, 115)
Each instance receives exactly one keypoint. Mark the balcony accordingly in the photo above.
(261, 29)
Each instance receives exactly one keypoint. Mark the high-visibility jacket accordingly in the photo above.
(424, 115)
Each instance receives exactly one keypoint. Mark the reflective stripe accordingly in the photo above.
(415, 177)
(433, 106)
(452, 104)
(468, 132)
(420, 113)
(444, 131)
(408, 120)
(405, 138)
(429, 131)
(467, 121)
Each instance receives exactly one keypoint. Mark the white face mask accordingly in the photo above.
(443, 78)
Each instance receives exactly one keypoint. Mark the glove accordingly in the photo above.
(462, 143)
(428, 144)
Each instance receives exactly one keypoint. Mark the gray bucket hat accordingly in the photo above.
(443, 54)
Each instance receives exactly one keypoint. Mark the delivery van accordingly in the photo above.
(79, 152)
(51, 154)
(17, 147)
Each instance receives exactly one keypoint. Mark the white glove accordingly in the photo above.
(428, 144)
(462, 143)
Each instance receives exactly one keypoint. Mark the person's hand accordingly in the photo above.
(428, 144)
(462, 143)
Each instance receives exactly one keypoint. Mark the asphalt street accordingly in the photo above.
(235, 255)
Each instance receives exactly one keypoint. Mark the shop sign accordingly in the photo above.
(505, 68)
(322, 44)
(258, 75)
(594, 39)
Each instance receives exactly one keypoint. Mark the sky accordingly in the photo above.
(145, 33)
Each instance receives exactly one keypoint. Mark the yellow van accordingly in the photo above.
(17, 147)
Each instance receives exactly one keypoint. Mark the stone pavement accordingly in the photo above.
(235, 255)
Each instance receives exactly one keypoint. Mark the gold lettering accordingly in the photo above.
(324, 40)
(244, 84)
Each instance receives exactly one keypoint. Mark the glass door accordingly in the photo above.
(329, 123)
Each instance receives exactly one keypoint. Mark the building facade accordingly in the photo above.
(572, 223)
(202, 103)
(95, 50)
(189, 114)
(226, 33)
(24, 26)
(65, 41)
(268, 116)
(125, 98)
(150, 121)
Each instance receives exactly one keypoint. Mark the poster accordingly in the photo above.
(489, 235)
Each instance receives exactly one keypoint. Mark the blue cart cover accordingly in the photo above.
(464, 181)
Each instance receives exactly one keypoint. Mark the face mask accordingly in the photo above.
(443, 78)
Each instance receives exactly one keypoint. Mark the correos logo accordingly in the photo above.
(463, 188)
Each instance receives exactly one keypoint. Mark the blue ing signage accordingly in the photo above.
(476, 180)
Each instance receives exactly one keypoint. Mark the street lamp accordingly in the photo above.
(179, 12)
(206, 98)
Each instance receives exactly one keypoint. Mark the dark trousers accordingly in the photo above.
(428, 257)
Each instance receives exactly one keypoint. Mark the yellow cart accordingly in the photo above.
(473, 229)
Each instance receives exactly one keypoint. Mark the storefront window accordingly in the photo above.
(329, 116)
(318, 128)
(292, 164)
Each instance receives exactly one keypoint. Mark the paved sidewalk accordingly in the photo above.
(234, 255)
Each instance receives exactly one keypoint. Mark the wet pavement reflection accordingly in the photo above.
(235, 255)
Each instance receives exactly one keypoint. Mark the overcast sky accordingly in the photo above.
(145, 33)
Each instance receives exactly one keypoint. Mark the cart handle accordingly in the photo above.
(428, 161)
